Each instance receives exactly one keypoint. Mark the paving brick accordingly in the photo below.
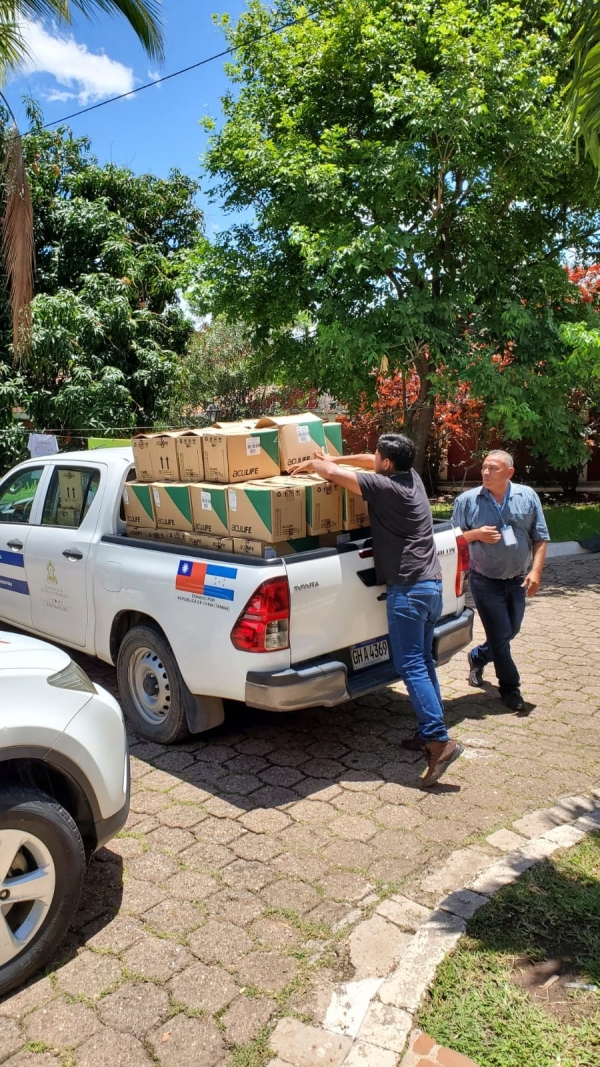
(460, 867)
(33, 995)
(32, 1059)
(115, 936)
(236, 906)
(420, 960)
(246, 1017)
(202, 987)
(89, 974)
(256, 847)
(405, 913)
(565, 836)
(305, 1046)
(537, 823)
(175, 917)
(269, 971)
(504, 840)
(343, 885)
(220, 942)
(300, 865)
(375, 947)
(191, 886)
(448, 1058)
(153, 867)
(61, 1024)
(264, 821)
(363, 1054)
(135, 1007)
(291, 894)
(11, 1039)
(156, 959)
(220, 831)
(349, 1005)
(355, 827)
(185, 1042)
(109, 1049)
(386, 1026)
(423, 1044)
(463, 902)
(247, 874)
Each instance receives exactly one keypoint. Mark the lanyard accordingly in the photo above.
(500, 507)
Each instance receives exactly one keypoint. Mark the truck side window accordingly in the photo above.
(70, 496)
(17, 494)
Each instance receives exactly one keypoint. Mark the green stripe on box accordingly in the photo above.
(261, 502)
(317, 433)
(309, 504)
(180, 495)
(219, 504)
(345, 504)
(333, 434)
(142, 493)
(269, 442)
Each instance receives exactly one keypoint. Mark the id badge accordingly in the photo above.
(508, 535)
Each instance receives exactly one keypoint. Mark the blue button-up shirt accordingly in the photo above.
(522, 511)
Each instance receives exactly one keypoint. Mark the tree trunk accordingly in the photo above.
(422, 427)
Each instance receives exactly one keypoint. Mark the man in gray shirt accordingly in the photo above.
(506, 531)
(406, 561)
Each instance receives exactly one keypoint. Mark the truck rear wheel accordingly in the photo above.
(155, 697)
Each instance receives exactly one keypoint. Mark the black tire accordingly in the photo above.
(36, 813)
(169, 723)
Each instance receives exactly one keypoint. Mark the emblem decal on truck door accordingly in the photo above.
(206, 579)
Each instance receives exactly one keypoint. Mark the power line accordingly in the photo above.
(176, 73)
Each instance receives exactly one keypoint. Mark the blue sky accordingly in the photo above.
(154, 130)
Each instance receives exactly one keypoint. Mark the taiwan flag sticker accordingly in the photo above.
(206, 579)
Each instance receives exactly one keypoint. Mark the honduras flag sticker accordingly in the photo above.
(206, 579)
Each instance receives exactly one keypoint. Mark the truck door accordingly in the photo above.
(17, 494)
(57, 552)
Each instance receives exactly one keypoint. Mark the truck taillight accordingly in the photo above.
(462, 566)
(264, 624)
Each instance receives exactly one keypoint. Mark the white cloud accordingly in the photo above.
(86, 76)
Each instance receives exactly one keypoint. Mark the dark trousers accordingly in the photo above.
(501, 606)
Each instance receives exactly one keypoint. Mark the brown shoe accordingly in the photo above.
(440, 754)
(414, 743)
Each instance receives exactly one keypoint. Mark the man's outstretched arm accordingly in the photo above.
(331, 472)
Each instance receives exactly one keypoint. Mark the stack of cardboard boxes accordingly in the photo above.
(225, 488)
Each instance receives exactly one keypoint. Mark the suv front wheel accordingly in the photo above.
(42, 863)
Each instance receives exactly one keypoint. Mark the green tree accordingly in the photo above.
(108, 328)
(413, 186)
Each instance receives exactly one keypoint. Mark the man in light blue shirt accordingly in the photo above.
(506, 531)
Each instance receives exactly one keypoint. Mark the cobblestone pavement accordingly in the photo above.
(251, 854)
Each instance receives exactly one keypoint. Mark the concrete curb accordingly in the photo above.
(368, 1022)
(560, 549)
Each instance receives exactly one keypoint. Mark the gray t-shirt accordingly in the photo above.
(523, 511)
(401, 527)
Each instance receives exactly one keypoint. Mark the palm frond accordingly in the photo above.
(142, 15)
(18, 250)
(583, 91)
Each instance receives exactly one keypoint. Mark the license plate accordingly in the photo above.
(370, 653)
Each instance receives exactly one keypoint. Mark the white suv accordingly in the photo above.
(64, 792)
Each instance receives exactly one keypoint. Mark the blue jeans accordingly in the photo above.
(412, 614)
(501, 606)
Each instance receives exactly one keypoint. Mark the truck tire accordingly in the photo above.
(154, 696)
(42, 859)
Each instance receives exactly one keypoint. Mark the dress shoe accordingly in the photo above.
(475, 673)
(414, 743)
(513, 700)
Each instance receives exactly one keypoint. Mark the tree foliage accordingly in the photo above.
(414, 192)
(108, 328)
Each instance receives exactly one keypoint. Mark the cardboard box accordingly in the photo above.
(301, 437)
(272, 551)
(209, 508)
(215, 544)
(68, 517)
(266, 511)
(237, 453)
(355, 509)
(333, 438)
(70, 488)
(163, 456)
(324, 504)
(190, 456)
(172, 506)
(142, 457)
(139, 506)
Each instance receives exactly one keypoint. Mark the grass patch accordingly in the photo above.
(490, 1000)
(256, 1054)
(566, 522)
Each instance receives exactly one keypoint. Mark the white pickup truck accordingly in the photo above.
(189, 628)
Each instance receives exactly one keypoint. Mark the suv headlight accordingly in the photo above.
(72, 677)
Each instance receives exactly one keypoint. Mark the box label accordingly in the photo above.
(232, 499)
(126, 496)
(303, 434)
(156, 497)
(253, 446)
(206, 501)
